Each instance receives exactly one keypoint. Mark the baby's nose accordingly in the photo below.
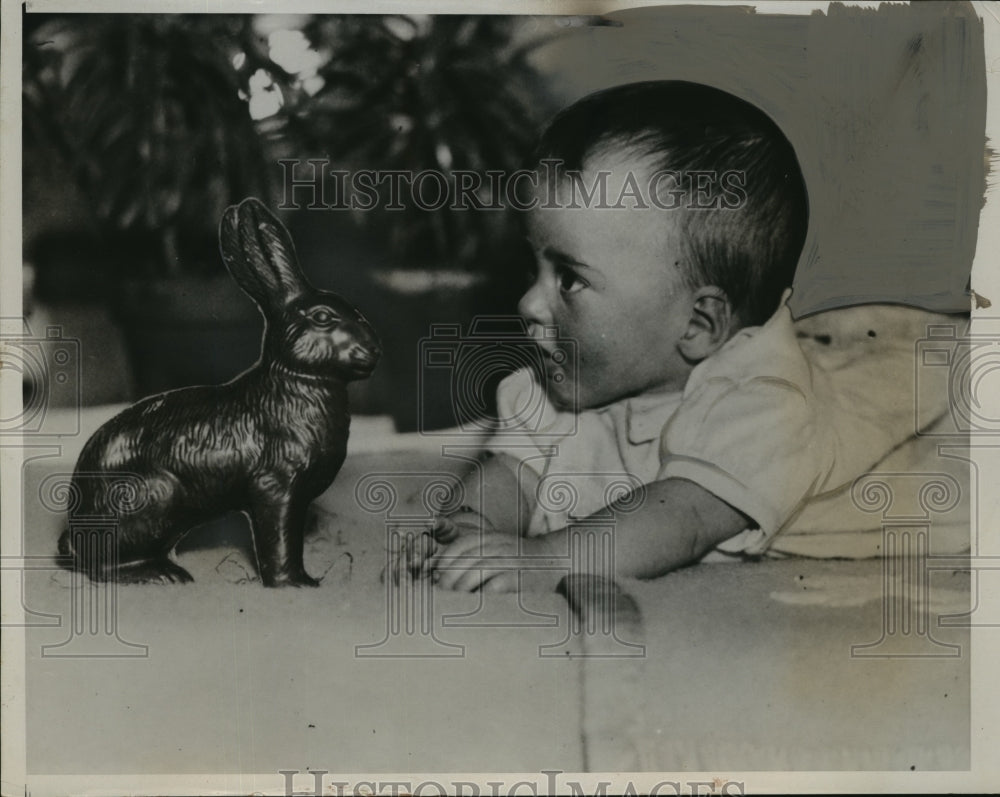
(533, 306)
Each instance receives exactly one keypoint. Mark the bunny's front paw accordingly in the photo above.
(303, 579)
(299, 579)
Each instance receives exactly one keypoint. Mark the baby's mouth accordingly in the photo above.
(554, 363)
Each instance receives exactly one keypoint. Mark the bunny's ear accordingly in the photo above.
(259, 253)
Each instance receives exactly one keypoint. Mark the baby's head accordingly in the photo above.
(668, 216)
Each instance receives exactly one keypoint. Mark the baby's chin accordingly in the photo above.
(568, 396)
(563, 395)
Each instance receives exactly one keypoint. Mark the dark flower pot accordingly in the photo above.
(421, 311)
(187, 331)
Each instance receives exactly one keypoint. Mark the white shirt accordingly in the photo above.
(765, 424)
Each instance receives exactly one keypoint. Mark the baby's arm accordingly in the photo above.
(501, 491)
(677, 524)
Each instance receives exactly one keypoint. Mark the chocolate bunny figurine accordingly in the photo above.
(266, 443)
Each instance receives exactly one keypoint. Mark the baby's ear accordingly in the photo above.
(711, 324)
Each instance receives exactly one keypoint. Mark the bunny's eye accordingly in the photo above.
(323, 317)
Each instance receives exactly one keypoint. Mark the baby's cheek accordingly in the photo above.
(591, 388)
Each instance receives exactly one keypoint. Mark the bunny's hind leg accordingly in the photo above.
(152, 571)
(145, 544)
(136, 547)
(98, 555)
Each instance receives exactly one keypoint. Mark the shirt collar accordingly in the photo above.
(646, 415)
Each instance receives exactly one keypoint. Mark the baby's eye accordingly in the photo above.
(570, 281)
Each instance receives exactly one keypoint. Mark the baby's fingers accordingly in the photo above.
(418, 550)
(468, 563)
(449, 556)
(391, 571)
(415, 552)
(483, 579)
(463, 523)
(445, 530)
(409, 557)
(501, 581)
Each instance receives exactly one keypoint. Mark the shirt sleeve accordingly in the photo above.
(755, 444)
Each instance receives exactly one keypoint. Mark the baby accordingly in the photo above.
(679, 413)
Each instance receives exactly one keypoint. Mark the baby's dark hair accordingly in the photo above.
(749, 251)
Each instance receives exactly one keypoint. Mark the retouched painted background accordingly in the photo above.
(886, 109)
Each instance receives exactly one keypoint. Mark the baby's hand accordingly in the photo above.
(414, 552)
(464, 522)
(490, 563)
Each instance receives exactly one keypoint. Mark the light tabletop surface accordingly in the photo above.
(790, 664)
